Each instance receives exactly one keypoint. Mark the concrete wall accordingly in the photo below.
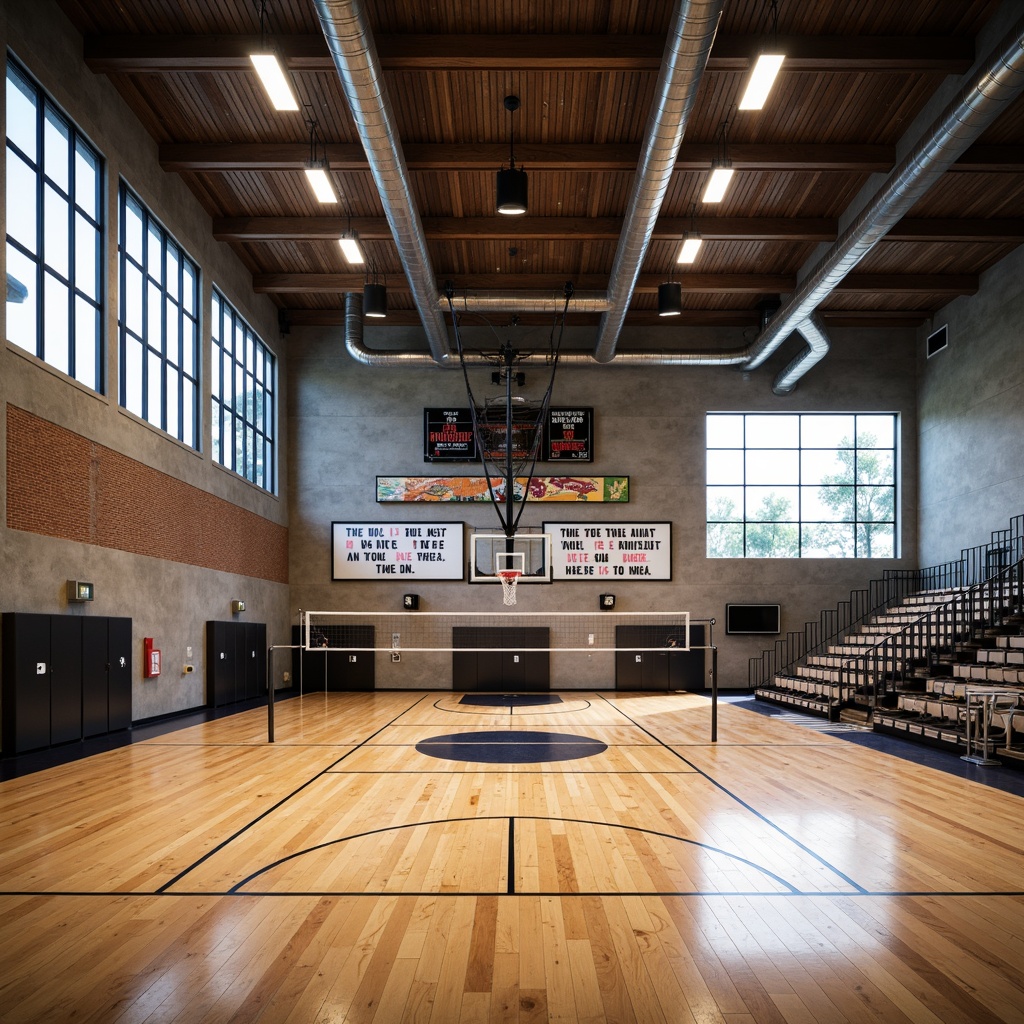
(971, 416)
(349, 423)
(168, 600)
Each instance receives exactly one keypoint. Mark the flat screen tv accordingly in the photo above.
(752, 618)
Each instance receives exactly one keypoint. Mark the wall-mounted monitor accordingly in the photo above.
(752, 618)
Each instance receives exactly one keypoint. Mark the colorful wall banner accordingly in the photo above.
(474, 488)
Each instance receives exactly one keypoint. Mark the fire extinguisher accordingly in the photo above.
(150, 658)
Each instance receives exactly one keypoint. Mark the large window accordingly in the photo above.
(242, 388)
(159, 324)
(54, 234)
(801, 486)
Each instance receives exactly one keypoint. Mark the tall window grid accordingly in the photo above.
(242, 375)
(54, 234)
(159, 324)
(810, 485)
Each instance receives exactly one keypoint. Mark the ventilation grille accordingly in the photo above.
(937, 341)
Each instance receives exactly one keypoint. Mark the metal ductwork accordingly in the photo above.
(352, 49)
(999, 80)
(812, 330)
(469, 301)
(694, 25)
(357, 349)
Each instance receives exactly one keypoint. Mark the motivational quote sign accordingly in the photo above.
(399, 551)
(610, 551)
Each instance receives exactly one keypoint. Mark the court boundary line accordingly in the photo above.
(280, 803)
(748, 807)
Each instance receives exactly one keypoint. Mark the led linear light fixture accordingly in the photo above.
(721, 169)
(351, 249)
(762, 78)
(691, 240)
(766, 67)
(317, 167)
(718, 183)
(275, 80)
(320, 182)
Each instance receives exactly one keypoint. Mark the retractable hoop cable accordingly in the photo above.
(506, 357)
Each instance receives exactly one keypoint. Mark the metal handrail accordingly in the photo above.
(975, 565)
(953, 624)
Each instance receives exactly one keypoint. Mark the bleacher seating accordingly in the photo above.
(906, 666)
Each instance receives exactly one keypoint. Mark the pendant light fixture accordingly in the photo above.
(512, 182)
(670, 298)
(721, 169)
(275, 79)
(691, 240)
(317, 167)
(766, 66)
(375, 296)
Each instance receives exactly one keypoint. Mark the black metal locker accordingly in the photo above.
(119, 673)
(236, 661)
(336, 670)
(514, 658)
(255, 660)
(221, 659)
(65, 678)
(94, 676)
(26, 681)
(353, 670)
(463, 670)
(661, 666)
(490, 670)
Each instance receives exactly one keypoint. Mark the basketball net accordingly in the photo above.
(509, 578)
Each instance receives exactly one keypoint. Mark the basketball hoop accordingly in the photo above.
(509, 578)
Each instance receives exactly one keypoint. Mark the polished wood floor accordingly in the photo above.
(341, 874)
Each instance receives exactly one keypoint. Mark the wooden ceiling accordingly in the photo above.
(856, 76)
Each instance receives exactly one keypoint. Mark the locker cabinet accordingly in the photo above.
(664, 667)
(236, 661)
(518, 664)
(335, 670)
(65, 678)
(26, 683)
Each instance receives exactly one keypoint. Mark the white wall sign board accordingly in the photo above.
(610, 551)
(398, 551)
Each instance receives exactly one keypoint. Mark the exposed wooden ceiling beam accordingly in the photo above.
(991, 158)
(885, 284)
(693, 156)
(966, 229)
(336, 283)
(755, 229)
(147, 54)
(271, 229)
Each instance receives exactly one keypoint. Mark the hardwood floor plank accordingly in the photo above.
(830, 883)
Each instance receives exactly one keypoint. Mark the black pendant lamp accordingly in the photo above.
(375, 295)
(670, 298)
(512, 182)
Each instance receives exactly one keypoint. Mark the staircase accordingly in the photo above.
(907, 663)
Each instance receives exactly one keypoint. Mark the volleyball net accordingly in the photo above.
(495, 631)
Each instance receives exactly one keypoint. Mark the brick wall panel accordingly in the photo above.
(61, 484)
